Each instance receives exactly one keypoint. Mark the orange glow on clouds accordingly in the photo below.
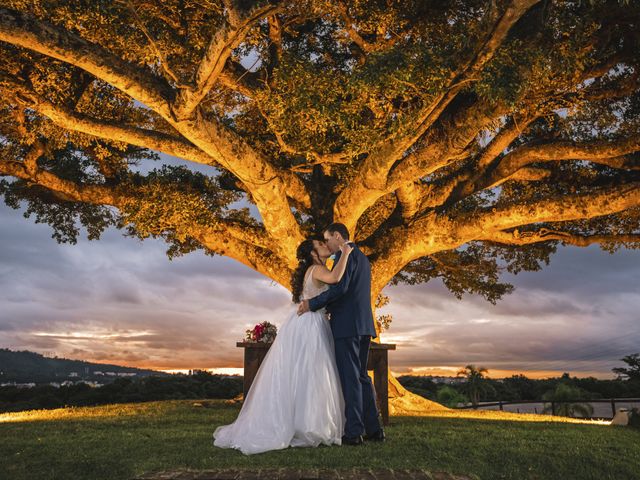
(437, 371)
(449, 371)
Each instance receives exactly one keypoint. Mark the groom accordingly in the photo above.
(349, 303)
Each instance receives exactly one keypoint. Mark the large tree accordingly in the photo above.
(456, 139)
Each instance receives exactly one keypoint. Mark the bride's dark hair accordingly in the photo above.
(305, 260)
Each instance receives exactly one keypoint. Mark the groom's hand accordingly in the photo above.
(303, 307)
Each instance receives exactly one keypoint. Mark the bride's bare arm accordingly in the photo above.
(325, 275)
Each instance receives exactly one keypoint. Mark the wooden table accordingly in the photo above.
(254, 353)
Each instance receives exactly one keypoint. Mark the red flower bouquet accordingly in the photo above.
(263, 332)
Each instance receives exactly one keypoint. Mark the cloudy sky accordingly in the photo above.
(122, 301)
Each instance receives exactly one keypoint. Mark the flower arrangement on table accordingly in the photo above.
(264, 332)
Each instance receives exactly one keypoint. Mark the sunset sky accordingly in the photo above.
(122, 301)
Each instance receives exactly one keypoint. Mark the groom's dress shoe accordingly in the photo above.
(376, 436)
(352, 440)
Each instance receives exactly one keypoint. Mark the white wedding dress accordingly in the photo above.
(295, 398)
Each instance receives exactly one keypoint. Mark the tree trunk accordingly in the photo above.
(404, 402)
(401, 400)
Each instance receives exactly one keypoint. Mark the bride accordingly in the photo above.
(295, 398)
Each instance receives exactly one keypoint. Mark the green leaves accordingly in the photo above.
(476, 268)
(62, 214)
(174, 199)
(315, 93)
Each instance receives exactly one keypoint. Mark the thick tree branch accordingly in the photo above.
(33, 154)
(33, 34)
(514, 11)
(486, 175)
(433, 233)
(266, 184)
(161, 142)
(164, 63)
(314, 157)
(461, 183)
(436, 194)
(515, 165)
(351, 30)
(609, 153)
(259, 259)
(371, 183)
(236, 77)
(384, 38)
(623, 88)
(519, 238)
(275, 43)
(262, 179)
(69, 119)
(215, 57)
(410, 197)
(525, 174)
(446, 144)
(589, 204)
(461, 186)
(93, 194)
(505, 137)
(324, 159)
(243, 243)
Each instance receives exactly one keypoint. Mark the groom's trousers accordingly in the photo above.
(361, 411)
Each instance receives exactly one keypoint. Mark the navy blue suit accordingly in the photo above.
(349, 304)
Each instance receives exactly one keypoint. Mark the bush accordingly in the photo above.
(450, 397)
(121, 390)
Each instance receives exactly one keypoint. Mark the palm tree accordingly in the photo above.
(563, 396)
(476, 382)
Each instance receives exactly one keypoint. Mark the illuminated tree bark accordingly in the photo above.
(456, 141)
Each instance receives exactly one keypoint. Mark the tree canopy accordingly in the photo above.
(456, 139)
(632, 372)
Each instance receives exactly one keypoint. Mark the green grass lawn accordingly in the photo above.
(122, 441)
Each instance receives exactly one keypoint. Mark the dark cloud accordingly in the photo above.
(586, 271)
(123, 295)
(578, 314)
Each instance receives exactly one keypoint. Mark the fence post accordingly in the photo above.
(553, 407)
(613, 406)
(501, 405)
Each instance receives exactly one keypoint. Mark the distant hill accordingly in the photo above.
(26, 367)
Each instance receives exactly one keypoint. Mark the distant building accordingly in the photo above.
(111, 374)
(90, 383)
(126, 374)
(73, 374)
(447, 380)
(98, 372)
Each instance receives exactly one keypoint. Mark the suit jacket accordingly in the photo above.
(349, 300)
